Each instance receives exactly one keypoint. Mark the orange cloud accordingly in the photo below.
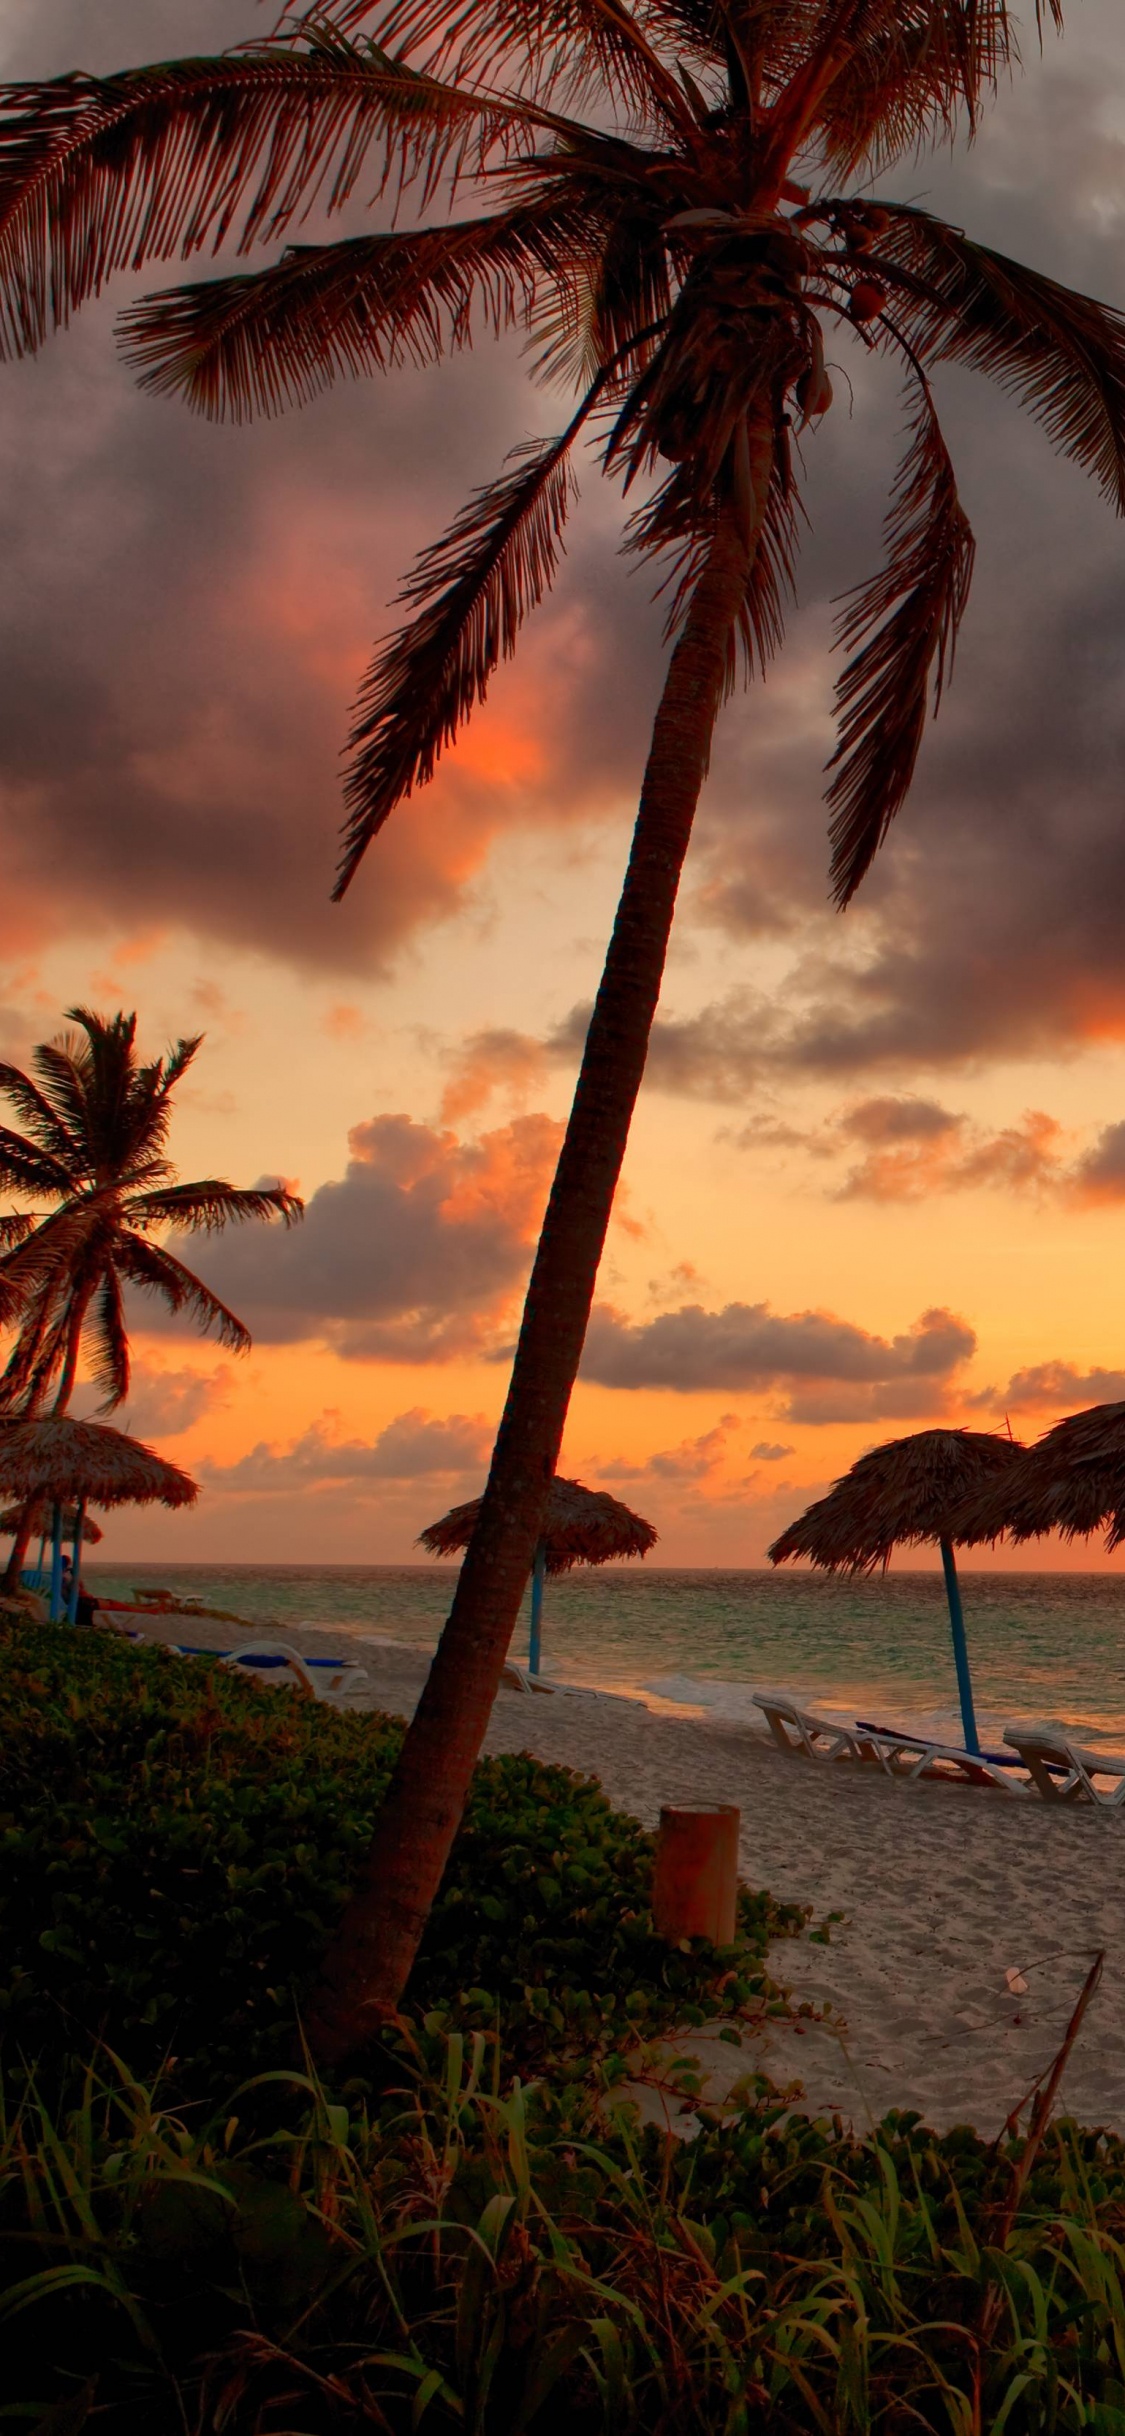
(344, 1023)
(495, 1060)
(910, 1148)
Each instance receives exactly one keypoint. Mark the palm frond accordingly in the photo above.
(908, 71)
(16, 1229)
(107, 1342)
(101, 173)
(41, 1312)
(275, 338)
(623, 296)
(564, 52)
(181, 1055)
(208, 1206)
(472, 591)
(52, 1139)
(57, 1063)
(25, 1168)
(671, 522)
(1061, 354)
(54, 1244)
(905, 620)
(157, 1271)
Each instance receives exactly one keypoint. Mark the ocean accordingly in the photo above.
(1043, 1646)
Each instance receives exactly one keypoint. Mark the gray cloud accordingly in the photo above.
(830, 1369)
(1099, 1175)
(912, 1148)
(414, 1446)
(166, 1403)
(413, 1255)
(692, 1461)
(189, 609)
(1055, 1387)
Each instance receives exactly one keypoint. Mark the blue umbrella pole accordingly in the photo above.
(76, 1565)
(960, 1646)
(56, 1566)
(535, 1639)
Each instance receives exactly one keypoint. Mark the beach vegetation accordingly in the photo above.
(674, 204)
(177, 1844)
(202, 2235)
(94, 1151)
(466, 2250)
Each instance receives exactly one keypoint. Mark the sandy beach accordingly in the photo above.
(944, 1890)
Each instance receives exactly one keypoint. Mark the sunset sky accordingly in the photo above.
(877, 1177)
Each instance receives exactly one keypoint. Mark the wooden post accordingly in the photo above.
(695, 1878)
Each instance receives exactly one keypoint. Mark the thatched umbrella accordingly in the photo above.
(583, 1527)
(1072, 1480)
(62, 1462)
(14, 1518)
(901, 1495)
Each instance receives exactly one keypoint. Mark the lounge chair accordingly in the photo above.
(519, 1678)
(318, 1676)
(901, 1755)
(796, 1730)
(1062, 1772)
(913, 1755)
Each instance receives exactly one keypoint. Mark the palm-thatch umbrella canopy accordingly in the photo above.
(62, 1462)
(1072, 1480)
(14, 1518)
(62, 1459)
(907, 1493)
(583, 1527)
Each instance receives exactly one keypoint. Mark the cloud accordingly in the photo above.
(415, 1254)
(188, 611)
(414, 1446)
(494, 1060)
(1053, 1387)
(828, 1369)
(167, 1403)
(764, 1452)
(912, 1148)
(693, 1461)
(909, 1146)
(1099, 1175)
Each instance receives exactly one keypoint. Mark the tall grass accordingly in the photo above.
(471, 2255)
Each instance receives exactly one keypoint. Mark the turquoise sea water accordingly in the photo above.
(1047, 1646)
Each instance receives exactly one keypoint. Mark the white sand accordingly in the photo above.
(945, 1888)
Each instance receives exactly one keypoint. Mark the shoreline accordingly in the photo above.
(944, 1888)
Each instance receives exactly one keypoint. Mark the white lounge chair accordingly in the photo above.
(913, 1755)
(519, 1678)
(795, 1729)
(1062, 1772)
(900, 1755)
(318, 1676)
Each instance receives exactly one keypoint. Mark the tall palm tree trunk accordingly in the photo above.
(368, 1963)
(26, 1527)
(18, 1556)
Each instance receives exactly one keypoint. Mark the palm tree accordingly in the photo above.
(95, 1148)
(672, 199)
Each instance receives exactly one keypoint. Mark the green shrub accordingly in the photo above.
(176, 1843)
